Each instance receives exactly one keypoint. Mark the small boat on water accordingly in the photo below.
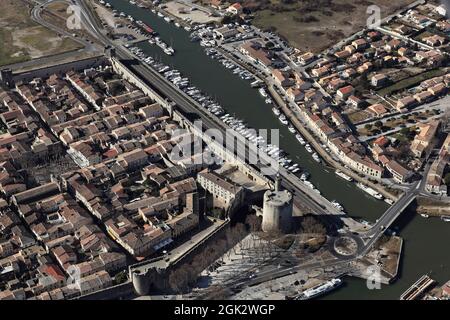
(343, 176)
(276, 111)
(291, 128)
(168, 52)
(316, 157)
(283, 119)
(423, 215)
(300, 139)
(445, 218)
(370, 191)
(320, 289)
(308, 148)
(262, 92)
(337, 205)
(309, 184)
(256, 83)
(305, 176)
(148, 29)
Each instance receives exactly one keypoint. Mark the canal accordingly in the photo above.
(424, 239)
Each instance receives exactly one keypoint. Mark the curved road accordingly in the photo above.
(36, 12)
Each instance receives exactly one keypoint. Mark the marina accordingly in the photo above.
(241, 100)
(207, 102)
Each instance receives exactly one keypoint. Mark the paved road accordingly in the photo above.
(388, 218)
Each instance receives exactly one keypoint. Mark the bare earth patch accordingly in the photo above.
(22, 39)
(39, 41)
(316, 25)
(183, 11)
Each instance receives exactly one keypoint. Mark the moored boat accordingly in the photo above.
(343, 176)
(320, 289)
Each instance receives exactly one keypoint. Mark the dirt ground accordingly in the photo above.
(59, 8)
(183, 11)
(316, 26)
(22, 39)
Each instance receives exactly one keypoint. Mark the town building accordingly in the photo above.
(225, 194)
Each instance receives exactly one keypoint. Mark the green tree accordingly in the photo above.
(227, 20)
(269, 45)
(311, 225)
(378, 124)
(121, 277)
(404, 131)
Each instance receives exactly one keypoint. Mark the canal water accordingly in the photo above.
(425, 240)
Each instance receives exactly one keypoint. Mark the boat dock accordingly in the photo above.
(418, 288)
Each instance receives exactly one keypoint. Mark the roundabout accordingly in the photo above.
(346, 246)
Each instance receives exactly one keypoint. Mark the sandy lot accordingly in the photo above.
(316, 27)
(183, 12)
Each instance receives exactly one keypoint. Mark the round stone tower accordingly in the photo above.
(141, 282)
(277, 210)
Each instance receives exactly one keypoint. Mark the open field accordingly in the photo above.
(317, 24)
(59, 8)
(22, 39)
